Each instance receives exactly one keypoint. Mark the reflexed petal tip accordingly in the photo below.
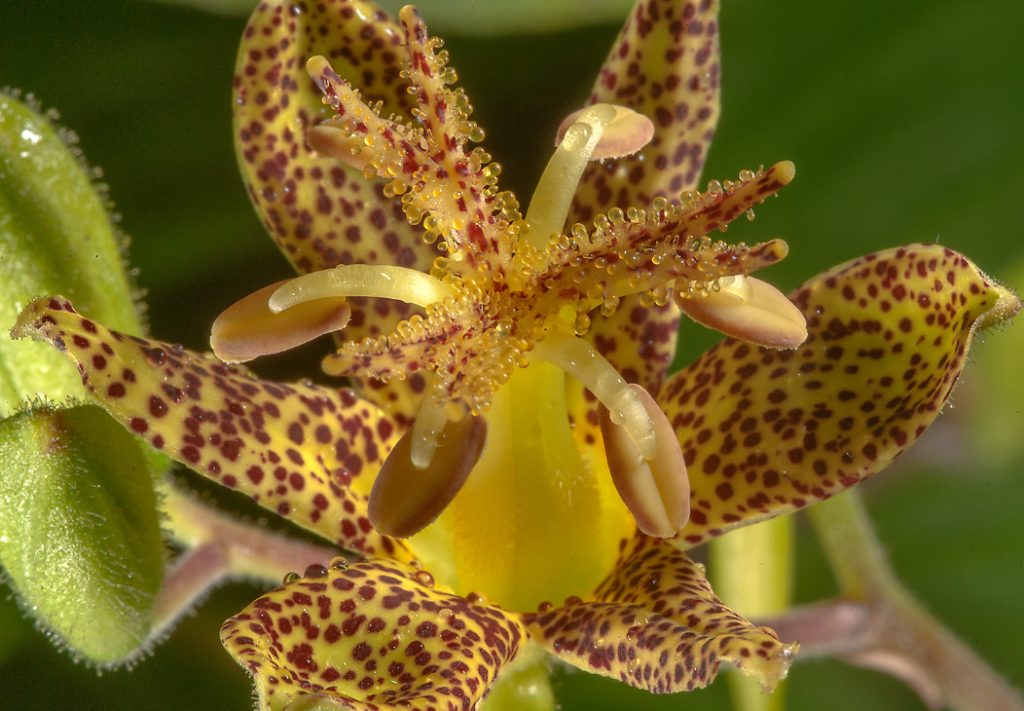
(301, 451)
(406, 499)
(750, 310)
(249, 329)
(627, 133)
(656, 491)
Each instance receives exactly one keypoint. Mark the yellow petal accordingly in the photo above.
(301, 451)
(371, 635)
(654, 623)
(768, 432)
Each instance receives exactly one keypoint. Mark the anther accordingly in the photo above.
(625, 134)
(405, 499)
(426, 431)
(748, 309)
(554, 192)
(250, 328)
(655, 489)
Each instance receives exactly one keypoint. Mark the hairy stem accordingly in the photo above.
(878, 624)
(218, 547)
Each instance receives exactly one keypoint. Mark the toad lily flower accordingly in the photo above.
(466, 452)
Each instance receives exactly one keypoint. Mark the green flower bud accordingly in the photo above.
(55, 238)
(79, 530)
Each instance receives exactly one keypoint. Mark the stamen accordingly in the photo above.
(627, 133)
(656, 490)
(249, 328)
(381, 281)
(580, 360)
(750, 310)
(406, 499)
(554, 193)
(430, 422)
(737, 286)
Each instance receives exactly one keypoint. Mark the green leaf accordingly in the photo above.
(79, 531)
(475, 17)
(55, 237)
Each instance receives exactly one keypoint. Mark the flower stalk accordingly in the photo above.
(876, 622)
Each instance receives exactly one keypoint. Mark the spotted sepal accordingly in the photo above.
(766, 432)
(371, 635)
(320, 212)
(302, 451)
(655, 623)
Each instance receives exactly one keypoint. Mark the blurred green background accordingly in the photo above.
(904, 122)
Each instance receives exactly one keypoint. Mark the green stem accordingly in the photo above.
(852, 548)
(753, 572)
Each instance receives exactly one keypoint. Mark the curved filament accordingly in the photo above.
(582, 361)
(380, 281)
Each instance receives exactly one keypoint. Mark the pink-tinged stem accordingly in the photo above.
(190, 577)
(219, 547)
(877, 624)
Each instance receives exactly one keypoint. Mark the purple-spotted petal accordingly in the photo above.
(371, 635)
(766, 432)
(302, 451)
(655, 623)
(320, 212)
(665, 65)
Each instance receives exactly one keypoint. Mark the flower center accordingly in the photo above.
(504, 312)
(414, 487)
(538, 519)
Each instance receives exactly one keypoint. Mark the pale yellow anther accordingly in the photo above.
(750, 310)
(406, 499)
(249, 328)
(655, 489)
(374, 280)
(581, 360)
(624, 135)
(330, 140)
